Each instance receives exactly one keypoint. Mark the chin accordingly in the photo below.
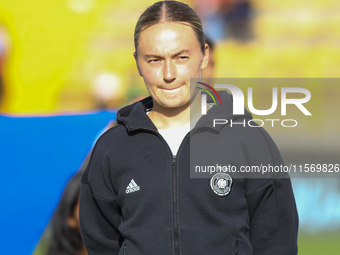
(174, 103)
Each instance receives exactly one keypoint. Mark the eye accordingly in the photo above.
(183, 57)
(153, 60)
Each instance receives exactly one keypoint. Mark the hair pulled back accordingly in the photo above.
(170, 11)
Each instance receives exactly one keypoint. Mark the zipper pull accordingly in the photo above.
(174, 160)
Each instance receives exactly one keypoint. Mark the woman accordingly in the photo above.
(137, 196)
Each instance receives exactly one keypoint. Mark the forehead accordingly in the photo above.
(167, 37)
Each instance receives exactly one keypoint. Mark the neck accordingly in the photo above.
(167, 118)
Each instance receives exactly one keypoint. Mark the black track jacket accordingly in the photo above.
(137, 199)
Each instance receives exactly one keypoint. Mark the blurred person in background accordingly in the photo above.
(3, 52)
(62, 236)
(238, 16)
(1, 75)
(226, 19)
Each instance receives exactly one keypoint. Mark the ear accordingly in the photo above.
(138, 67)
(205, 56)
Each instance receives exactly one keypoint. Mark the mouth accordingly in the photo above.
(171, 88)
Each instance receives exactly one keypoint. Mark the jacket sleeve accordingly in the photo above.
(99, 213)
(273, 217)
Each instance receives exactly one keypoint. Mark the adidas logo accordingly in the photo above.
(132, 187)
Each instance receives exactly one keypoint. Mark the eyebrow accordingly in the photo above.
(172, 56)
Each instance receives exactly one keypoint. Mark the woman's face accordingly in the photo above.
(168, 55)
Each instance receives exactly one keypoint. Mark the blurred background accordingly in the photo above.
(66, 66)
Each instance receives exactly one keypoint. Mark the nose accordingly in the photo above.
(169, 72)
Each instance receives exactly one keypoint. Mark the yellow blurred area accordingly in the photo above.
(293, 39)
(59, 49)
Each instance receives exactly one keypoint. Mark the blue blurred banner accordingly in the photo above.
(37, 157)
(318, 203)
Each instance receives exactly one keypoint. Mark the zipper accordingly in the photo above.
(124, 252)
(175, 205)
(174, 188)
(236, 247)
(174, 195)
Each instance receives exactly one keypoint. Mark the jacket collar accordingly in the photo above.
(134, 116)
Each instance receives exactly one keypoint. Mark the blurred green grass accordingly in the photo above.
(320, 244)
